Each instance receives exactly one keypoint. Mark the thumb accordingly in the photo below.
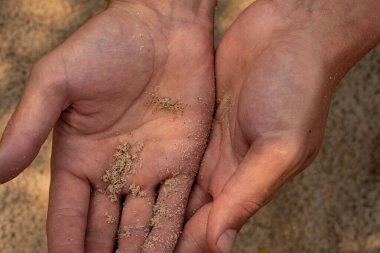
(39, 109)
(264, 169)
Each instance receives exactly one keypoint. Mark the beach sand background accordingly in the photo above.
(334, 206)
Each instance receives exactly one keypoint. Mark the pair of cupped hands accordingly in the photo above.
(229, 130)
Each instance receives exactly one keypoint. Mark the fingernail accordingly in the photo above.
(226, 240)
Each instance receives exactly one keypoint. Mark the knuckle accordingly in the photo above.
(247, 203)
(250, 207)
(69, 213)
(291, 152)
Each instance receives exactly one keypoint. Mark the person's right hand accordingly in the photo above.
(136, 73)
(276, 69)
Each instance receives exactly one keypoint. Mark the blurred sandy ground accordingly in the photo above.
(334, 206)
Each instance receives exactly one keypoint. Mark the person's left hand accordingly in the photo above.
(274, 87)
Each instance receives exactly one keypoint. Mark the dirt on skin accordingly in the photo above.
(160, 210)
(126, 231)
(171, 185)
(223, 108)
(166, 103)
(124, 159)
(135, 191)
(110, 219)
(333, 206)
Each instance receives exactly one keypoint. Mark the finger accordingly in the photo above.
(261, 173)
(41, 104)
(194, 237)
(102, 224)
(198, 198)
(168, 215)
(67, 213)
(135, 219)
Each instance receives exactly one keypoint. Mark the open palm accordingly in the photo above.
(130, 95)
(274, 94)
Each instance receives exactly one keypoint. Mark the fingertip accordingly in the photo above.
(228, 214)
(13, 162)
(226, 240)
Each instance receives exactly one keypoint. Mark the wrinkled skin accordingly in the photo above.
(96, 90)
(274, 93)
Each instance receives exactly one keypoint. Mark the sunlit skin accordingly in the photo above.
(142, 71)
(276, 69)
(97, 91)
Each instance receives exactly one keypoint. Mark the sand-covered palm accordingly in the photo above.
(130, 95)
(274, 92)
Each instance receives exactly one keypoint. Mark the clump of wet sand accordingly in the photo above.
(136, 191)
(124, 159)
(110, 219)
(170, 186)
(166, 103)
(160, 210)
